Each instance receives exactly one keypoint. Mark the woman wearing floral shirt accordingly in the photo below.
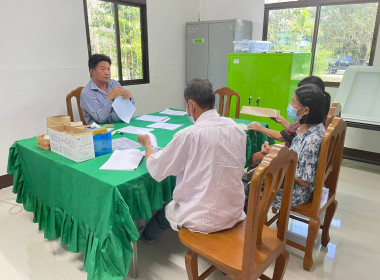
(309, 104)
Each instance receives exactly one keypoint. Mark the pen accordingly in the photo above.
(118, 132)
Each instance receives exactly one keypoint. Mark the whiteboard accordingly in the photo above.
(359, 95)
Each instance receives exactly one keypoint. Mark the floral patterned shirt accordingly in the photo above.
(307, 146)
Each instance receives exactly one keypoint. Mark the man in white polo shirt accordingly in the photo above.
(208, 159)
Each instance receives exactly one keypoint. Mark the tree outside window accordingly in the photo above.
(344, 34)
(118, 29)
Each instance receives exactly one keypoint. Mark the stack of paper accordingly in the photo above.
(149, 118)
(135, 130)
(123, 160)
(173, 112)
(168, 126)
(140, 130)
(124, 144)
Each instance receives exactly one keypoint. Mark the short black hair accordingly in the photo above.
(312, 96)
(94, 60)
(319, 83)
(202, 92)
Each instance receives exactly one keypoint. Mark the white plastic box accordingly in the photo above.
(71, 142)
(259, 46)
(241, 46)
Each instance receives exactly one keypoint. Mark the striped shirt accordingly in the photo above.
(208, 159)
(95, 104)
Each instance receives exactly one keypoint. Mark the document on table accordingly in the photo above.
(124, 144)
(124, 108)
(140, 130)
(135, 130)
(123, 160)
(155, 150)
(150, 118)
(173, 112)
(168, 126)
(243, 126)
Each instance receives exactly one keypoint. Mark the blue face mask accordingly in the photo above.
(191, 118)
(292, 113)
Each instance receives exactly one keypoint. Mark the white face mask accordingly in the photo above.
(191, 118)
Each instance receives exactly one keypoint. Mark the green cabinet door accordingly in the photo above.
(241, 77)
(268, 77)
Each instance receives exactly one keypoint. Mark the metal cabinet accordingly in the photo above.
(207, 46)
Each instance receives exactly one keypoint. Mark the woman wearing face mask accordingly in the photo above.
(309, 102)
(287, 135)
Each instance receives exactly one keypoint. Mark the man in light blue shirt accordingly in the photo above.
(98, 95)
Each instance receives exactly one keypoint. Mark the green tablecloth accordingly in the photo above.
(93, 210)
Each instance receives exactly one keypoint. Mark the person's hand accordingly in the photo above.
(255, 126)
(144, 140)
(256, 157)
(279, 119)
(115, 93)
(265, 148)
(126, 94)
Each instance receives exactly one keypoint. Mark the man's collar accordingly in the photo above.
(207, 114)
(94, 86)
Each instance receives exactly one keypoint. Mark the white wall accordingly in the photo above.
(43, 54)
(230, 9)
(167, 38)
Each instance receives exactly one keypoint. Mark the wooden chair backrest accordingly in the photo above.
(277, 168)
(75, 93)
(228, 93)
(330, 159)
(335, 111)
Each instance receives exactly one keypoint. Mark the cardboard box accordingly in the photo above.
(71, 142)
(259, 112)
(57, 120)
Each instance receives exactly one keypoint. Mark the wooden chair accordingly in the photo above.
(228, 93)
(323, 200)
(249, 248)
(335, 111)
(75, 93)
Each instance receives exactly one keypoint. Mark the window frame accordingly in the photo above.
(144, 38)
(318, 4)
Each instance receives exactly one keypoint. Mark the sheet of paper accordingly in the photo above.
(173, 112)
(168, 126)
(155, 150)
(124, 108)
(243, 126)
(123, 160)
(149, 118)
(124, 144)
(135, 130)
(140, 130)
(153, 139)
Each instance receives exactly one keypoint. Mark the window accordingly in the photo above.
(338, 33)
(118, 28)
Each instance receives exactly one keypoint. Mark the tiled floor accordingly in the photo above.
(353, 252)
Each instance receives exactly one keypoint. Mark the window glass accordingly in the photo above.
(344, 38)
(130, 42)
(116, 29)
(291, 29)
(102, 31)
